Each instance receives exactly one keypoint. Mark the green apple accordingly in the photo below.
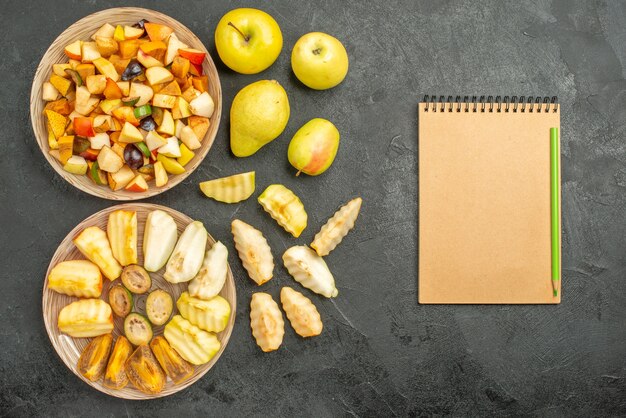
(248, 40)
(259, 113)
(314, 147)
(319, 60)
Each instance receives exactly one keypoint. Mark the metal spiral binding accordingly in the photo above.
(513, 104)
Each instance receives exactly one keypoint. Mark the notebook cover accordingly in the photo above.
(484, 206)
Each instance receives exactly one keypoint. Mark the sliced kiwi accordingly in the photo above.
(138, 329)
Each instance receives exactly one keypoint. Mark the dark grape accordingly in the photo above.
(148, 124)
(140, 24)
(132, 70)
(132, 156)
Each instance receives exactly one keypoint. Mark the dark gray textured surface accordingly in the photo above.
(380, 353)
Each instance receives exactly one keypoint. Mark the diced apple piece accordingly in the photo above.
(61, 84)
(109, 105)
(73, 50)
(52, 141)
(89, 52)
(106, 46)
(118, 33)
(148, 61)
(200, 125)
(163, 100)
(102, 123)
(130, 134)
(74, 63)
(118, 149)
(90, 154)
(55, 154)
(126, 114)
(132, 32)
(105, 67)
(160, 174)
(179, 128)
(76, 165)
(142, 91)
(85, 109)
(167, 126)
(157, 32)
(138, 184)
(96, 83)
(170, 165)
(173, 45)
(171, 148)
(193, 55)
(189, 138)
(181, 109)
(154, 140)
(100, 140)
(121, 178)
(186, 155)
(171, 89)
(124, 87)
(202, 105)
(109, 161)
(73, 116)
(59, 69)
(49, 92)
(106, 31)
(158, 75)
(82, 95)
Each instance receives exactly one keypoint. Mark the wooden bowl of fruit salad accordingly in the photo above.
(126, 103)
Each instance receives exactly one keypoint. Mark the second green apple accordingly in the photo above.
(314, 146)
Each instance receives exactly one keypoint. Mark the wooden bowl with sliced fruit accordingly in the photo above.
(126, 103)
(139, 301)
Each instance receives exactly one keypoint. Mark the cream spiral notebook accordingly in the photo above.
(484, 200)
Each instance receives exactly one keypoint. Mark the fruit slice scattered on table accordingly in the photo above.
(159, 238)
(337, 227)
(258, 115)
(187, 257)
(159, 306)
(310, 270)
(144, 372)
(122, 234)
(137, 329)
(136, 279)
(92, 362)
(231, 189)
(301, 312)
(175, 367)
(86, 318)
(266, 321)
(93, 243)
(313, 148)
(248, 40)
(79, 278)
(193, 344)
(319, 60)
(115, 374)
(254, 251)
(121, 300)
(210, 315)
(285, 207)
(212, 275)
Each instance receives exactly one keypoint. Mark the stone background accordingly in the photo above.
(381, 353)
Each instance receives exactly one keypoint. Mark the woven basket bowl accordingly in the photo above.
(83, 29)
(69, 349)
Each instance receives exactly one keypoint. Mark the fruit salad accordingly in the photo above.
(130, 105)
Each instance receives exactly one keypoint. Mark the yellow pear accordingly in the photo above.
(258, 115)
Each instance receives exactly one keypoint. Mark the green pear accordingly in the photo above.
(314, 147)
(259, 114)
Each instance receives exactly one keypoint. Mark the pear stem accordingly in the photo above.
(246, 38)
(298, 173)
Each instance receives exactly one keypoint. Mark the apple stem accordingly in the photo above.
(246, 38)
(317, 51)
(298, 173)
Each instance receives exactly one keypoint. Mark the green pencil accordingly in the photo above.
(554, 208)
